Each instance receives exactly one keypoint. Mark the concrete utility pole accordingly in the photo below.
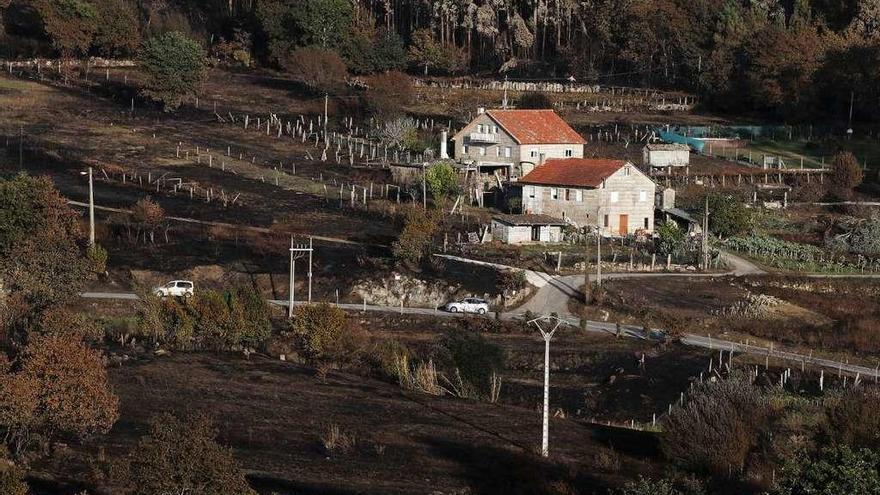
(598, 257)
(296, 252)
(706, 235)
(91, 207)
(587, 288)
(545, 432)
(326, 101)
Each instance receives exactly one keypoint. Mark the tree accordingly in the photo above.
(717, 426)
(42, 260)
(424, 51)
(418, 230)
(319, 69)
(320, 327)
(73, 393)
(854, 418)
(324, 23)
(442, 180)
(670, 236)
(388, 52)
(388, 93)
(174, 66)
(834, 471)
(845, 175)
(70, 24)
(534, 100)
(148, 216)
(728, 216)
(118, 29)
(181, 455)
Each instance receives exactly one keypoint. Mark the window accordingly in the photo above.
(533, 153)
(497, 151)
(626, 171)
(605, 221)
(646, 223)
(615, 196)
(507, 152)
(567, 153)
(479, 128)
(464, 149)
(494, 129)
(568, 194)
(643, 196)
(482, 151)
(554, 193)
(579, 195)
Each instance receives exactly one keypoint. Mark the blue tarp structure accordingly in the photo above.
(671, 137)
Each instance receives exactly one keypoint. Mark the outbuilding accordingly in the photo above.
(526, 229)
(663, 155)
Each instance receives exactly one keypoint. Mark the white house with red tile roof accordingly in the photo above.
(613, 194)
(514, 141)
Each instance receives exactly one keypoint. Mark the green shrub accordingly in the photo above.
(175, 67)
(473, 358)
(97, 258)
(834, 471)
(320, 328)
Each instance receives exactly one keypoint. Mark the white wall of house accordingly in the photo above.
(666, 158)
(522, 234)
(626, 198)
(495, 145)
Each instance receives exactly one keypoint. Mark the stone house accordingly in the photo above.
(611, 194)
(666, 155)
(525, 229)
(513, 142)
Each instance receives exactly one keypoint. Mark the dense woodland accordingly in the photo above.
(785, 59)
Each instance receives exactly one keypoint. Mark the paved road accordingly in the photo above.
(630, 331)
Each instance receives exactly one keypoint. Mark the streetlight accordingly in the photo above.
(91, 207)
(545, 432)
(296, 252)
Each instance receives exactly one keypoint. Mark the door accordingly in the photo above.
(624, 225)
(536, 233)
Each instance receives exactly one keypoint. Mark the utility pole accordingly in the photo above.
(598, 257)
(326, 101)
(424, 188)
(297, 252)
(587, 288)
(310, 269)
(91, 210)
(706, 235)
(545, 431)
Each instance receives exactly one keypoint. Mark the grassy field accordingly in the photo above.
(816, 154)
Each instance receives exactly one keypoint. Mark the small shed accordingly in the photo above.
(666, 155)
(526, 229)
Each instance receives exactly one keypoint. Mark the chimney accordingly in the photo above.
(481, 110)
(443, 154)
(541, 157)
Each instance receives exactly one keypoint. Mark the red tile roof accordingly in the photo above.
(536, 126)
(573, 172)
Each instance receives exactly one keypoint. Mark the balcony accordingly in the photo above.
(483, 137)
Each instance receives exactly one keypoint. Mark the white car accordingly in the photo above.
(468, 305)
(176, 288)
